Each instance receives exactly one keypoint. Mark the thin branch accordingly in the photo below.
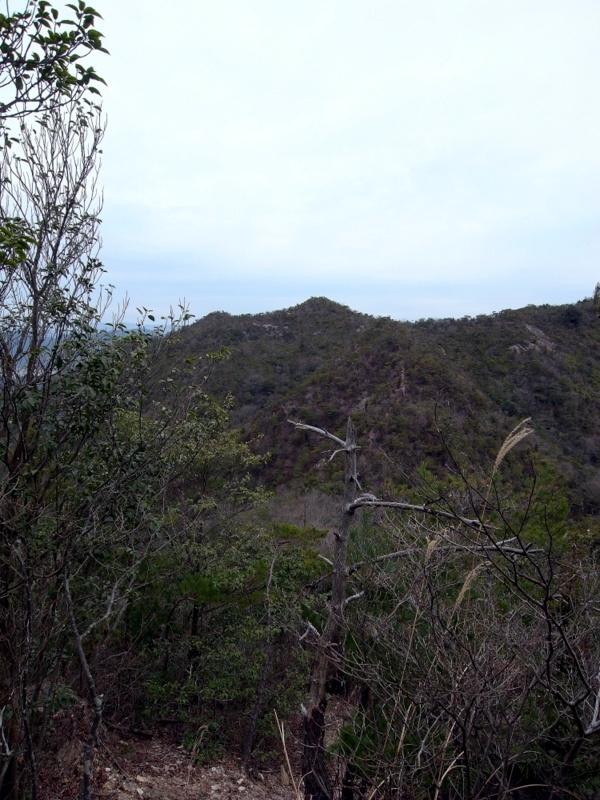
(481, 548)
(353, 597)
(369, 501)
(322, 432)
(310, 629)
(595, 723)
(325, 559)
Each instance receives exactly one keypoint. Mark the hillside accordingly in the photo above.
(270, 353)
(472, 378)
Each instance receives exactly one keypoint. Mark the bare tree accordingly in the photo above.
(473, 645)
(316, 781)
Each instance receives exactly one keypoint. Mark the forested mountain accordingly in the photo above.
(434, 635)
(403, 383)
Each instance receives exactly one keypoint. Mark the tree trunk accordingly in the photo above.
(316, 781)
(97, 702)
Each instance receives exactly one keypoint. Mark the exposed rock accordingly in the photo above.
(541, 343)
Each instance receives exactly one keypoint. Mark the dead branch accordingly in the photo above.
(369, 501)
(322, 432)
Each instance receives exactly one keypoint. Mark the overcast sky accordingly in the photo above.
(411, 159)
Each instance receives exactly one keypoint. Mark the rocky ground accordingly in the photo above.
(160, 771)
(154, 766)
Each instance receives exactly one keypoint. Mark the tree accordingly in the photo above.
(471, 642)
(92, 471)
(40, 58)
(48, 271)
(316, 780)
(48, 274)
(85, 465)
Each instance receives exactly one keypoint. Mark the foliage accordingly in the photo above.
(40, 58)
(403, 382)
(106, 473)
(216, 628)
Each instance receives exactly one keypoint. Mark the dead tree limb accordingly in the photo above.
(316, 780)
(369, 501)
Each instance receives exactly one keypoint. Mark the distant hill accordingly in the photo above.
(473, 378)
(271, 353)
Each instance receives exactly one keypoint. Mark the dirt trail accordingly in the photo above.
(161, 771)
(127, 766)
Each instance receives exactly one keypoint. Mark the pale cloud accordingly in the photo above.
(450, 146)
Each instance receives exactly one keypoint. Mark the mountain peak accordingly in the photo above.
(323, 305)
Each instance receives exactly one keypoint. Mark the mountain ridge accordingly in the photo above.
(403, 382)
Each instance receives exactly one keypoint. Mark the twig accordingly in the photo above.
(353, 597)
(113, 758)
(310, 629)
(281, 729)
(97, 700)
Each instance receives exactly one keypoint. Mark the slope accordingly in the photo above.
(472, 379)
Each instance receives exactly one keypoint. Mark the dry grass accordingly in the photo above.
(518, 433)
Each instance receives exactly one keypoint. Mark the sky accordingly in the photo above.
(437, 158)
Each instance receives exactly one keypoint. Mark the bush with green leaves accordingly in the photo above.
(217, 628)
